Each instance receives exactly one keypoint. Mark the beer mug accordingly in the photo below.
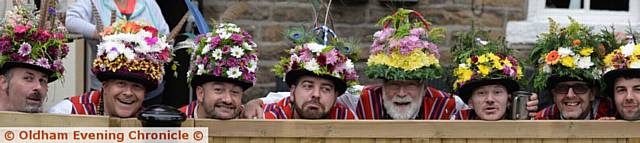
(519, 105)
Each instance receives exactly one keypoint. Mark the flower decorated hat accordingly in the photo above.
(316, 53)
(569, 53)
(132, 51)
(33, 41)
(404, 49)
(227, 54)
(483, 63)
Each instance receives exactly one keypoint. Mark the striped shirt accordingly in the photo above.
(284, 110)
(436, 104)
(85, 104)
(190, 109)
(604, 106)
(466, 114)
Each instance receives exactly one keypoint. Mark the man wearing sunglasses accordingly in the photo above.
(569, 70)
(572, 100)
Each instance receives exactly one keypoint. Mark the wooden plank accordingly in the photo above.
(311, 140)
(334, 140)
(633, 140)
(529, 140)
(478, 140)
(236, 140)
(406, 141)
(425, 129)
(287, 140)
(262, 140)
(362, 140)
(605, 140)
(17, 119)
(454, 140)
(622, 140)
(217, 140)
(554, 140)
(134, 122)
(579, 140)
(387, 140)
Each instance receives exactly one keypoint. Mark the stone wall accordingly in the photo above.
(267, 20)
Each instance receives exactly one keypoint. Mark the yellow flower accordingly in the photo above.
(497, 64)
(493, 57)
(464, 74)
(482, 59)
(507, 63)
(637, 50)
(414, 60)
(609, 57)
(567, 62)
(519, 70)
(484, 70)
(586, 51)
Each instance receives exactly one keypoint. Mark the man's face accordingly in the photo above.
(490, 102)
(122, 98)
(220, 100)
(25, 89)
(573, 98)
(627, 97)
(313, 97)
(402, 98)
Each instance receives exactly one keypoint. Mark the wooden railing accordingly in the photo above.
(368, 131)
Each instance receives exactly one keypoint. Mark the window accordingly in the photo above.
(596, 13)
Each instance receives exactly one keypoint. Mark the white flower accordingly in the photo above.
(482, 41)
(546, 68)
(206, 49)
(635, 65)
(562, 51)
(224, 35)
(315, 47)
(312, 65)
(348, 65)
(217, 54)
(128, 53)
(237, 52)
(627, 50)
(144, 33)
(234, 72)
(584, 62)
(462, 65)
(246, 45)
(253, 65)
(200, 69)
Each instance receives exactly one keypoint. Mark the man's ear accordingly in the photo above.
(4, 83)
(200, 93)
(470, 102)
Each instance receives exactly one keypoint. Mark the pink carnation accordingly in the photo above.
(20, 29)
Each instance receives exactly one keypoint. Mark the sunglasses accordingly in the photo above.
(579, 88)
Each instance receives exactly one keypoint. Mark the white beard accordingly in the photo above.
(400, 114)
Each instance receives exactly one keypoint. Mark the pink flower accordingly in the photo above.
(376, 47)
(237, 39)
(432, 47)
(331, 57)
(226, 49)
(25, 49)
(20, 29)
(417, 31)
(384, 34)
(151, 40)
(409, 43)
(43, 62)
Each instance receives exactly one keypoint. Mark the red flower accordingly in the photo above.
(474, 59)
(153, 30)
(322, 60)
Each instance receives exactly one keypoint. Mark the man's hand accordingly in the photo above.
(253, 109)
(532, 105)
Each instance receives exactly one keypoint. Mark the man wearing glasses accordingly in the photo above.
(569, 70)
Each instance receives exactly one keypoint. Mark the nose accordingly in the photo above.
(226, 98)
(570, 93)
(315, 93)
(490, 99)
(402, 92)
(629, 97)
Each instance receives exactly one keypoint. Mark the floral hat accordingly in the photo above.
(483, 63)
(569, 53)
(132, 51)
(31, 43)
(405, 49)
(227, 54)
(621, 61)
(317, 56)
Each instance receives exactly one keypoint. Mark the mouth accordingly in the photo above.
(125, 101)
(629, 106)
(401, 103)
(572, 104)
(225, 107)
(490, 109)
(34, 99)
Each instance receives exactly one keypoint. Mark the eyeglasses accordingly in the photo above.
(579, 88)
